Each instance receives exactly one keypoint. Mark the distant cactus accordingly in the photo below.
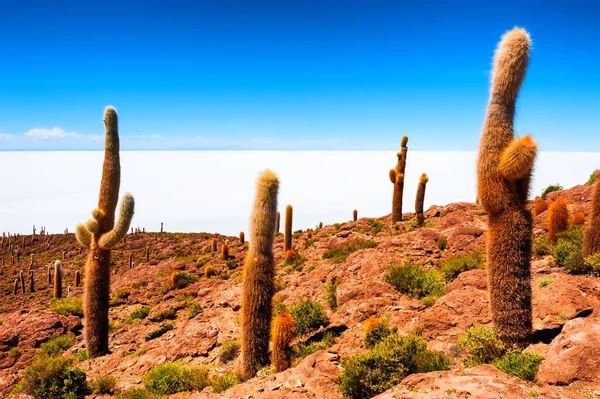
(161, 227)
(214, 244)
(242, 238)
(591, 235)
(421, 199)
(278, 224)
(258, 275)
(77, 278)
(283, 334)
(22, 281)
(287, 240)
(539, 206)
(354, 215)
(57, 279)
(130, 261)
(100, 235)
(31, 282)
(16, 287)
(320, 225)
(210, 271)
(32, 260)
(225, 251)
(309, 234)
(49, 275)
(147, 254)
(504, 172)
(175, 279)
(558, 219)
(397, 178)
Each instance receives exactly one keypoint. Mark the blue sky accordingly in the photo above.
(290, 74)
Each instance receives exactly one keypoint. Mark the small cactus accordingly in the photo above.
(16, 287)
(31, 282)
(421, 199)
(539, 206)
(22, 281)
(77, 278)
(277, 226)
(214, 244)
(130, 261)
(49, 275)
(320, 225)
(397, 179)
(287, 243)
(161, 227)
(283, 334)
(57, 279)
(354, 215)
(147, 254)
(258, 276)
(242, 238)
(309, 234)
(225, 251)
(558, 219)
(210, 271)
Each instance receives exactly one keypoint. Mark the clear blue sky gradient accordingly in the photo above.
(293, 74)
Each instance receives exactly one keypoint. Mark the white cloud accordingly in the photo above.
(51, 134)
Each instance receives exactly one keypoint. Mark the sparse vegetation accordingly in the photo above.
(56, 346)
(222, 382)
(138, 314)
(417, 282)
(67, 306)
(452, 267)
(524, 365)
(161, 331)
(168, 314)
(308, 316)
(376, 330)
(339, 254)
(229, 351)
(104, 385)
(330, 289)
(482, 345)
(593, 177)
(551, 188)
(171, 378)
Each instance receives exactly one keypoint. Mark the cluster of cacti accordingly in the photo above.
(558, 218)
(421, 199)
(591, 235)
(287, 234)
(258, 276)
(283, 333)
(504, 170)
(100, 235)
(397, 178)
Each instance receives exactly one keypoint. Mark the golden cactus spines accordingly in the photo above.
(557, 218)
(287, 239)
(258, 276)
(100, 235)
(214, 244)
(397, 179)
(283, 333)
(57, 279)
(421, 199)
(504, 168)
(591, 235)
(225, 251)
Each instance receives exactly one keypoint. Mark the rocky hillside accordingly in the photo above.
(195, 321)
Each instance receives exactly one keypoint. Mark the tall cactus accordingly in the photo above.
(504, 170)
(100, 235)
(421, 199)
(287, 239)
(591, 235)
(258, 276)
(57, 279)
(397, 178)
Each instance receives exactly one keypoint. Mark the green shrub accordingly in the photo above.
(138, 314)
(104, 384)
(80, 355)
(541, 246)
(70, 305)
(122, 293)
(524, 365)
(53, 378)
(183, 280)
(169, 314)
(482, 345)
(308, 316)
(452, 267)
(136, 393)
(592, 263)
(339, 254)
(417, 282)
(551, 188)
(442, 243)
(593, 177)
(567, 251)
(546, 282)
(222, 382)
(203, 261)
(194, 310)
(170, 378)
(390, 361)
(15, 352)
(378, 333)
(229, 351)
(161, 331)
(57, 345)
(376, 226)
(330, 288)
(294, 262)
(303, 349)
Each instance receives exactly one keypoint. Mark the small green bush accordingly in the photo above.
(70, 305)
(339, 254)
(169, 314)
(57, 345)
(170, 378)
(160, 332)
(303, 349)
(482, 345)
(524, 365)
(294, 262)
(53, 378)
(138, 314)
(15, 352)
(376, 226)
(222, 382)
(541, 246)
(184, 279)
(417, 282)
(308, 316)
(593, 177)
(330, 288)
(194, 310)
(592, 263)
(136, 393)
(104, 384)
(229, 351)
(452, 267)
(122, 293)
(442, 244)
(567, 250)
(546, 282)
(378, 333)
(551, 188)
(390, 361)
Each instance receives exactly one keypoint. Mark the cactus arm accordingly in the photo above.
(111, 170)
(83, 235)
(518, 158)
(113, 237)
(393, 176)
(93, 226)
